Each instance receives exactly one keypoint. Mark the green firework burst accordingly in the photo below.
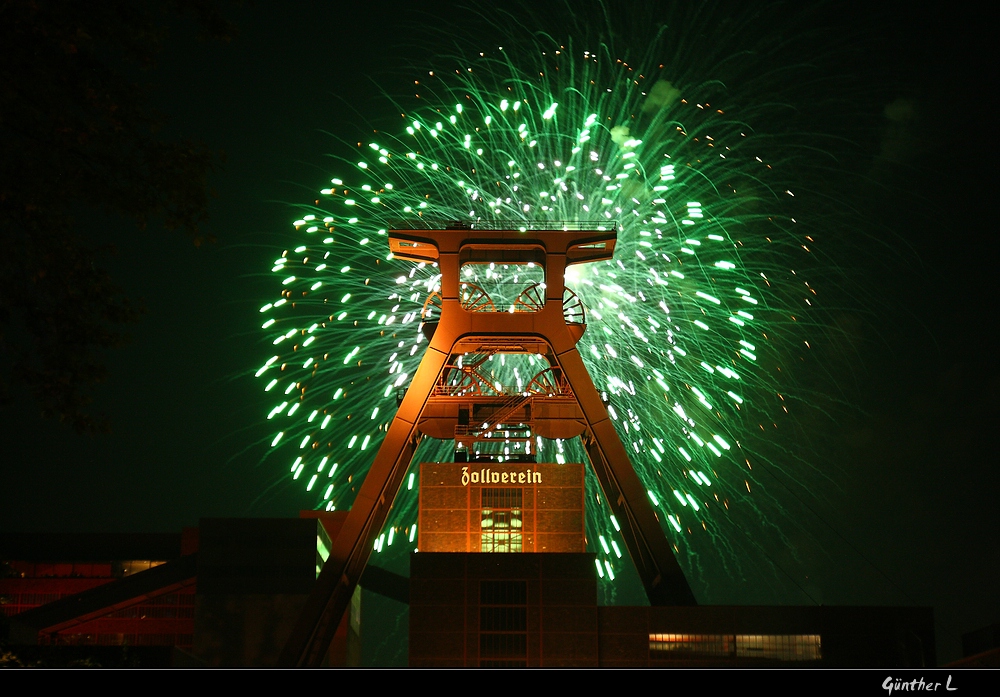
(693, 328)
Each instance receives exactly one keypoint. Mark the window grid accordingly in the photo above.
(172, 605)
(501, 520)
(181, 640)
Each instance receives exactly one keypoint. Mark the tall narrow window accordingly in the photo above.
(501, 520)
(503, 624)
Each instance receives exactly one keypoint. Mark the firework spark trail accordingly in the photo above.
(689, 326)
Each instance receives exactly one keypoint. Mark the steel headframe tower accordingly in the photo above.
(448, 399)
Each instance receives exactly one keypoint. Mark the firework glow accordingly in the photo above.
(695, 328)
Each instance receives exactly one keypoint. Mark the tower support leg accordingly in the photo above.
(624, 493)
(648, 547)
(318, 622)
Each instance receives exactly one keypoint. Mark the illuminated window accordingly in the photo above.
(120, 569)
(501, 520)
(783, 647)
(503, 624)
(774, 647)
(677, 645)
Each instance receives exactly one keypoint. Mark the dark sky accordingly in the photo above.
(916, 487)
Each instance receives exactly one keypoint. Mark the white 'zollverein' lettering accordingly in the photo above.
(488, 476)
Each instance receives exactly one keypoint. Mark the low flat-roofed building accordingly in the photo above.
(502, 578)
(540, 610)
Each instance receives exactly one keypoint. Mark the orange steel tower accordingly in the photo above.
(451, 399)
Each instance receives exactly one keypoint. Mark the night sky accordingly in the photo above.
(908, 510)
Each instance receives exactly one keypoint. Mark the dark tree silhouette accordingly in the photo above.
(78, 137)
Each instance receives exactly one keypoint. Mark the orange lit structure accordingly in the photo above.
(449, 397)
(532, 508)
